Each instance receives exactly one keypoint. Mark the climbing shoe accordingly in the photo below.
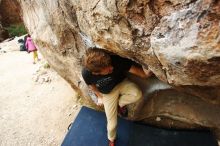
(111, 143)
(123, 111)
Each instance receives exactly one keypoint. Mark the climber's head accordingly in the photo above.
(97, 61)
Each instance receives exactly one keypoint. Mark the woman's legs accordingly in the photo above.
(35, 56)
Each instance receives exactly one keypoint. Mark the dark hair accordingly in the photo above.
(96, 59)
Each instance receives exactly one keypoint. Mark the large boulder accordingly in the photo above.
(10, 12)
(178, 40)
(3, 33)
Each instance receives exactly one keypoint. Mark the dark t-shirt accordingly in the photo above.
(105, 83)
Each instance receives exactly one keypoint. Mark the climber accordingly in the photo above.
(105, 74)
(29, 44)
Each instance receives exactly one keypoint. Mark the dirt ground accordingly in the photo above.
(36, 104)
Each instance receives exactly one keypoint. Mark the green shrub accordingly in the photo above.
(16, 30)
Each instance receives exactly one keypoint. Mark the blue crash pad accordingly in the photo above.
(89, 129)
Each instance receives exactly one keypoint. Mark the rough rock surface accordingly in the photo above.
(3, 33)
(10, 12)
(178, 40)
(187, 44)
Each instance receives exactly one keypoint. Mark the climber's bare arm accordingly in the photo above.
(98, 94)
(94, 88)
(140, 72)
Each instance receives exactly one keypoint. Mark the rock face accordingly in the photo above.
(3, 33)
(10, 12)
(178, 40)
(187, 43)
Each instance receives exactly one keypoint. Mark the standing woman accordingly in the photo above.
(31, 48)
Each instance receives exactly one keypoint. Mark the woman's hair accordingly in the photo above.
(96, 59)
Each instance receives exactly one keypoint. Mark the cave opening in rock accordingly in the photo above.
(148, 85)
